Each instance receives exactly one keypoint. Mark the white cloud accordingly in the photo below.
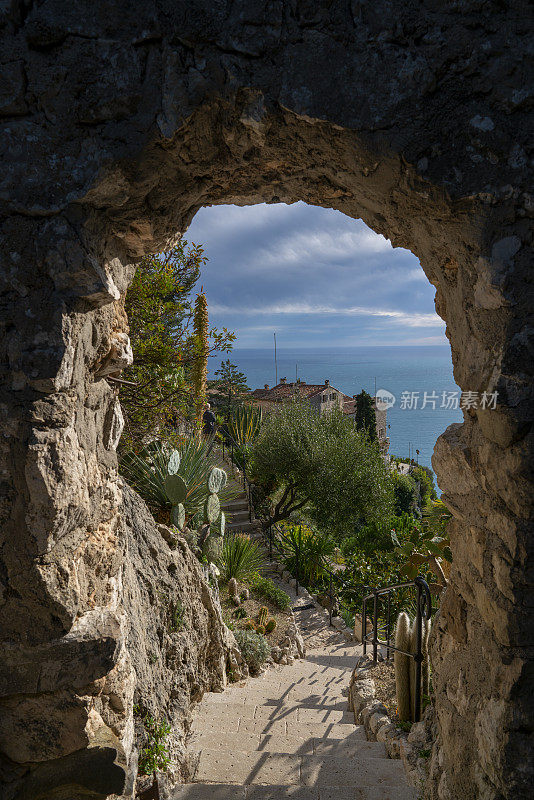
(413, 320)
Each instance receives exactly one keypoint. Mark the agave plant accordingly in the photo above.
(244, 424)
(186, 476)
(306, 551)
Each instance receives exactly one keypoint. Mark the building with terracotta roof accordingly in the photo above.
(322, 397)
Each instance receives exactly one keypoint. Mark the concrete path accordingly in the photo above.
(288, 734)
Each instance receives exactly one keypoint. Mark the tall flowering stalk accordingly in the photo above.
(200, 366)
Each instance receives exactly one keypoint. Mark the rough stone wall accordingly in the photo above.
(120, 121)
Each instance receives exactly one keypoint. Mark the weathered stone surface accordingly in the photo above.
(120, 120)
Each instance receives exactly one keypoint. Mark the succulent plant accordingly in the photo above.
(236, 600)
(402, 667)
(249, 625)
(175, 489)
(245, 595)
(270, 626)
(178, 515)
(212, 509)
(406, 639)
(260, 629)
(233, 589)
(216, 480)
(240, 613)
(262, 615)
(174, 463)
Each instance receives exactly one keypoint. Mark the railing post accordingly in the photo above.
(418, 656)
(330, 597)
(388, 627)
(364, 625)
(375, 627)
(297, 564)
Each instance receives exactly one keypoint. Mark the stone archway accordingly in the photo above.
(121, 121)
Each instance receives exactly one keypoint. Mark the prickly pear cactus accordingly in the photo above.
(174, 463)
(216, 480)
(175, 489)
(178, 515)
(212, 508)
(222, 523)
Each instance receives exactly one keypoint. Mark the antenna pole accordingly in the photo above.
(275, 363)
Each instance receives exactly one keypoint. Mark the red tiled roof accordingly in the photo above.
(284, 391)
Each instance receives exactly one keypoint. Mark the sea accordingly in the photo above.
(414, 420)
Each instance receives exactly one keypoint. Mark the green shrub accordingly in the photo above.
(155, 755)
(265, 588)
(254, 648)
(307, 548)
(240, 558)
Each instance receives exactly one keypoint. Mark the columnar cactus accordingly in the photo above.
(406, 639)
(233, 589)
(402, 667)
(271, 625)
(262, 616)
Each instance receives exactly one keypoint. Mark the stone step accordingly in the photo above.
(260, 727)
(238, 516)
(226, 791)
(345, 770)
(235, 505)
(288, 745)
(241, 527)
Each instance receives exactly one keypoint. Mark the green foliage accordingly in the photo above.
(266, 588)
(240, 557)
(425, 478)
(365, 415)
(229, 385)
(159, 308)
(405, 494)
(422, 551)
(254, 648)
(321, 464)
(155, 755)
(145, 469)
(240, 613)
(244, 424)
(306, 549)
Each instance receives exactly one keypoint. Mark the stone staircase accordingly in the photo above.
(288, 735)
(237, 509)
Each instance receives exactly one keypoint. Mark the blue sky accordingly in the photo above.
(313, 275)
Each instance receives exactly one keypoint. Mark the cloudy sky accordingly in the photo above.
(314, 276)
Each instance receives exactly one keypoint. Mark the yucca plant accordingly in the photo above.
(240, 558)
(244, 424)
(306, 550)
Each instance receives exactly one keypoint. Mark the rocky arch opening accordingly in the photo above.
(239, 110)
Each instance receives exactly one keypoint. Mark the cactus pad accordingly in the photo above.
(212, 508)
(178, 515)
(216, 480)
(174, 463)
(222, 523)
(175, 489)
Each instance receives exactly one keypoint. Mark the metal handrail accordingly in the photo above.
(424, 611)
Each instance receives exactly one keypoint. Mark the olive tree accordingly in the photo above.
(323, 466)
